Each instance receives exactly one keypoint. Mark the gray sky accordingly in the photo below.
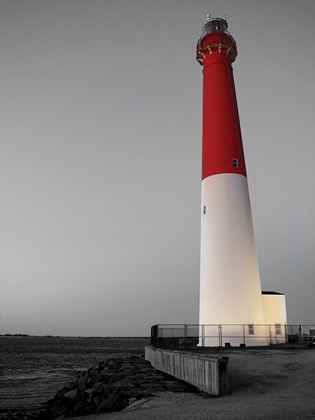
(101, 158)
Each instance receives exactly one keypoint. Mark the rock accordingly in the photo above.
(67, 386)
(91, 396)
(131, 400)
(114, 402)
(143, 394)
(81, 384)
(110, 386)
(97, 385)
(110, 375)
(137, 404)
(120, 385)
(59, 407)
(152, 385)
(154, 377)
(92, 379)
(98, 400)
(80, 396)
(70, 394)
(80, 408)
(131, 392)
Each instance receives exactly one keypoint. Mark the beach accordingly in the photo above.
(264, 384)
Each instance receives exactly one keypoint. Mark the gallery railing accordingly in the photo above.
(193, 336)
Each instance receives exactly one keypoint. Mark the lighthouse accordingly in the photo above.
(230, 290)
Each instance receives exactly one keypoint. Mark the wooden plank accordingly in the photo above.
(206, 373)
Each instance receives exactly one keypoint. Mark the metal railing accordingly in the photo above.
(192, 336)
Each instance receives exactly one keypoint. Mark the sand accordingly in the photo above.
(264, 384)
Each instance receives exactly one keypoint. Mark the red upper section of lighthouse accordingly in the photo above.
(222, 150)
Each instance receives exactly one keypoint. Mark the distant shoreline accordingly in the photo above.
(112, 337)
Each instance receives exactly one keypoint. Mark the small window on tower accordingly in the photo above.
(204, 209)
(251, 330)
(278, 329)
(235, 163)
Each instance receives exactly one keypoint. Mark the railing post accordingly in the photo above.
(244, 334)
(270, 342)
(292, 336)
(185, 335)
(203, 335)
(220, 334)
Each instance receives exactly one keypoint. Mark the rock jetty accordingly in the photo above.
(112, 385)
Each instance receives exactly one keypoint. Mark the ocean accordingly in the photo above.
(33, 369)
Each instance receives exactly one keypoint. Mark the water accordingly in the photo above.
(33, 369)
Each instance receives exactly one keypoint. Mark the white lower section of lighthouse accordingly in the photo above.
(230, 290)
